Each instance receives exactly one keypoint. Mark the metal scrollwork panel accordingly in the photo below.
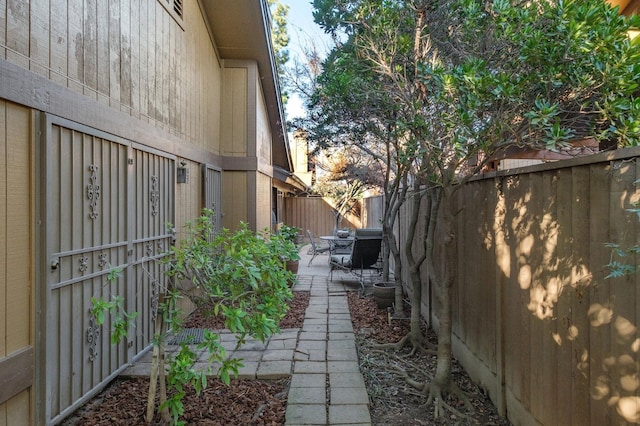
(93, 192)
(154, 196)
(93, 335)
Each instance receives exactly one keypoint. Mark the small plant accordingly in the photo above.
(289, 233)
(237, 274)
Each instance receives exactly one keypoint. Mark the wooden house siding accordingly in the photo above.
(263, 131)
(16, 264)
(122, 91)
(234, 94)
(263, 202)
(234, 194)
(131, 55)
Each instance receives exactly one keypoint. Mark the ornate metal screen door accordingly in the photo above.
(107, 202)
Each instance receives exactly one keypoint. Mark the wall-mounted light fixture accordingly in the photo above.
(182, 174)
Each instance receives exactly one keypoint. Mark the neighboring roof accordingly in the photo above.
(288, 182)
(242, 30)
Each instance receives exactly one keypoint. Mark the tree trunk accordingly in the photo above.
(415, 262)
(155, 370)
(443, 370)
(442, 377)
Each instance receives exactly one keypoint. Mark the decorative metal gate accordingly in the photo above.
(107, 203)
(212, 193)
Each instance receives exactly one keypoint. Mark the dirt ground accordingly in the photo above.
(259, 402)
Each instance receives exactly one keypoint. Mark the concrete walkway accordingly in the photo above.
(327, 387)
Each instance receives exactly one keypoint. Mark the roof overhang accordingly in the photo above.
(241, 29)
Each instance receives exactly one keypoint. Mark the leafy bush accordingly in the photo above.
(237, 274)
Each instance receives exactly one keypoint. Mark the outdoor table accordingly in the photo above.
(338, 245)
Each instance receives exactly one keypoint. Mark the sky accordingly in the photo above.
(302, 31)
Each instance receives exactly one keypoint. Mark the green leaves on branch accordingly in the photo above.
(537, 74)
(121, 318)
(239, 275)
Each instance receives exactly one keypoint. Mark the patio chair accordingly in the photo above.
(364, 255)
(316, 248)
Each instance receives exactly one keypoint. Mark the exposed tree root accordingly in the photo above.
(416, 344)
(436, 397)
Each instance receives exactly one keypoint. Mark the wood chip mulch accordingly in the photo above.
(262, 402)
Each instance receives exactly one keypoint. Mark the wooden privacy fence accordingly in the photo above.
(314, 214)
(535, 321)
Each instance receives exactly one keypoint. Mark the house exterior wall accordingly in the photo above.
(130, 55)
(246, 145)
(234, 116)
(234, 195)
(16, 264)
(263, 132)
(263, 202)
(133, 71)
(188, 196)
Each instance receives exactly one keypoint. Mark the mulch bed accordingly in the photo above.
(263, 402)
(244, 402)
(393, 400)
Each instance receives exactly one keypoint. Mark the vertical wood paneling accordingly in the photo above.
(75, 46)
(580, 218)
(144, 54)
(160, 58)
(58, 40)
(599, 235)
(135, 58)
(16, 314)
(563, 328)
(3, 225)
(17, 33)
(18, 223)
(104, 51)
(131, 55)
(125, 76)
(18, 410)
(312, 213)
(552, 282)
(623, 329)
(115, 65)
(39, 36)
(562, 364)
(152, 48)
(91, 46)
(3, 33)
(165, 75)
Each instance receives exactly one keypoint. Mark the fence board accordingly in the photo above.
(314, 214)
(579, 297)
(599, 234)
(562, 333)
